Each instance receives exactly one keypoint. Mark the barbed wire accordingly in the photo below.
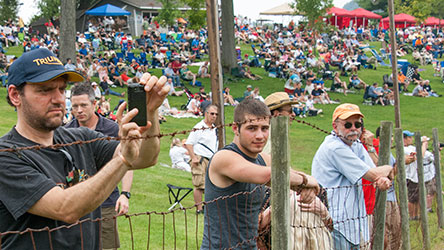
(160, 135)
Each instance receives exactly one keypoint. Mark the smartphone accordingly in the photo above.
(137, 99)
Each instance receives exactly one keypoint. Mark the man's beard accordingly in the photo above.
(40, 122)
(345, 137)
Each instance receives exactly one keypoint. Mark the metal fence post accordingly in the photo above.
(280, 183)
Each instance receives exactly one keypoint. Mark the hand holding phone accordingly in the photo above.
(137, 99)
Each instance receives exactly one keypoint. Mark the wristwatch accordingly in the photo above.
(127, 194)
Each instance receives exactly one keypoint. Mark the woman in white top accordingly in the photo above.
(193, 105)
(179, 156)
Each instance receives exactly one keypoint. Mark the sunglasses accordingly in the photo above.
(348, 125)
(213, 113)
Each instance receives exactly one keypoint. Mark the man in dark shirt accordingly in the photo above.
(437, 50)
(83, 106)
(55, 186)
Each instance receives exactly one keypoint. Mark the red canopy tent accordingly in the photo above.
(432, 21)
(401, 21)
(339, 17)
(361, 16)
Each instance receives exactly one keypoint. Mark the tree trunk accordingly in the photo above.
(228, 51)
(67, 30)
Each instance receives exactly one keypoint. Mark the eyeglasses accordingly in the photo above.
(213, 113)
(348, 125)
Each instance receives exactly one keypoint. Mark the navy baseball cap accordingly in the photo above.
(38, 66)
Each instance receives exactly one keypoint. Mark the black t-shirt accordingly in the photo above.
(108, 128)
(27, 175)
(416, 76)
(316, 92)
(298, 91)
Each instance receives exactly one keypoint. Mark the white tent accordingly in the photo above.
(281, 10)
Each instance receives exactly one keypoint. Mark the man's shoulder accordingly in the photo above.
(107, 126)
(72, 124)
(201, 124)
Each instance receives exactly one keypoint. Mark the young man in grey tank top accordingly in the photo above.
(241, 167)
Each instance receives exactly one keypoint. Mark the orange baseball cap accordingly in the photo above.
(346, 110)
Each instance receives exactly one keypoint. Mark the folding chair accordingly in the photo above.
(175, 192)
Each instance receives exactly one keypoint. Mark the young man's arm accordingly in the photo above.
(228, 167)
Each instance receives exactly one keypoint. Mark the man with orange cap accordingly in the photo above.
(339, 166)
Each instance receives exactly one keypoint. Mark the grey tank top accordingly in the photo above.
(231, 213)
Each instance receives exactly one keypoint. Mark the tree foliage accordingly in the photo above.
(8, 10)
(421, 9)
(49, 8)
(374, 5)
(438, 9)
(196, 16)
(169, 12)
(312, 10)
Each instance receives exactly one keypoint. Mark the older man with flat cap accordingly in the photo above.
(53, 187)
(280, 104)
(339, 166)
(303, 217)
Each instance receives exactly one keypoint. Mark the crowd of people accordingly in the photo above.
(349, 154)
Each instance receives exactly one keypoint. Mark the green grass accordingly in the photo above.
(149, 186)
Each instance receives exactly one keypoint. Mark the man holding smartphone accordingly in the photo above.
(52, 187)
(83, 110)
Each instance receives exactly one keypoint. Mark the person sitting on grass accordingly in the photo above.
(186, 74)
(203, 71)
(193, 105)
(403, 80)
(388, 95)
(429, 89)
(228, 98)
(374, 93)
(338, 83)
(246, 72)
(356, 82)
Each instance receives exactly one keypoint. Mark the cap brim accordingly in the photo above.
(349, 114)
(273, 107)
(73, 76)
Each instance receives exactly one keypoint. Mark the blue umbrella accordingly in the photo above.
(108, 10)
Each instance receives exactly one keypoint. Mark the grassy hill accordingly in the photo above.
(149, 186)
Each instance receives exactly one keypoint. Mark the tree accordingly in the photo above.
(228, 51)
(67, 30)
(49, 8)
(169, 12)
(312, 10)
(374, 5)
(8, 10)
(438, 9)
(420, 9)
(196, 16)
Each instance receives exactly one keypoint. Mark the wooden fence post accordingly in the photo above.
(280, 183)
(422, 192)
(381, 196)
(402, 186)
(438, 179)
